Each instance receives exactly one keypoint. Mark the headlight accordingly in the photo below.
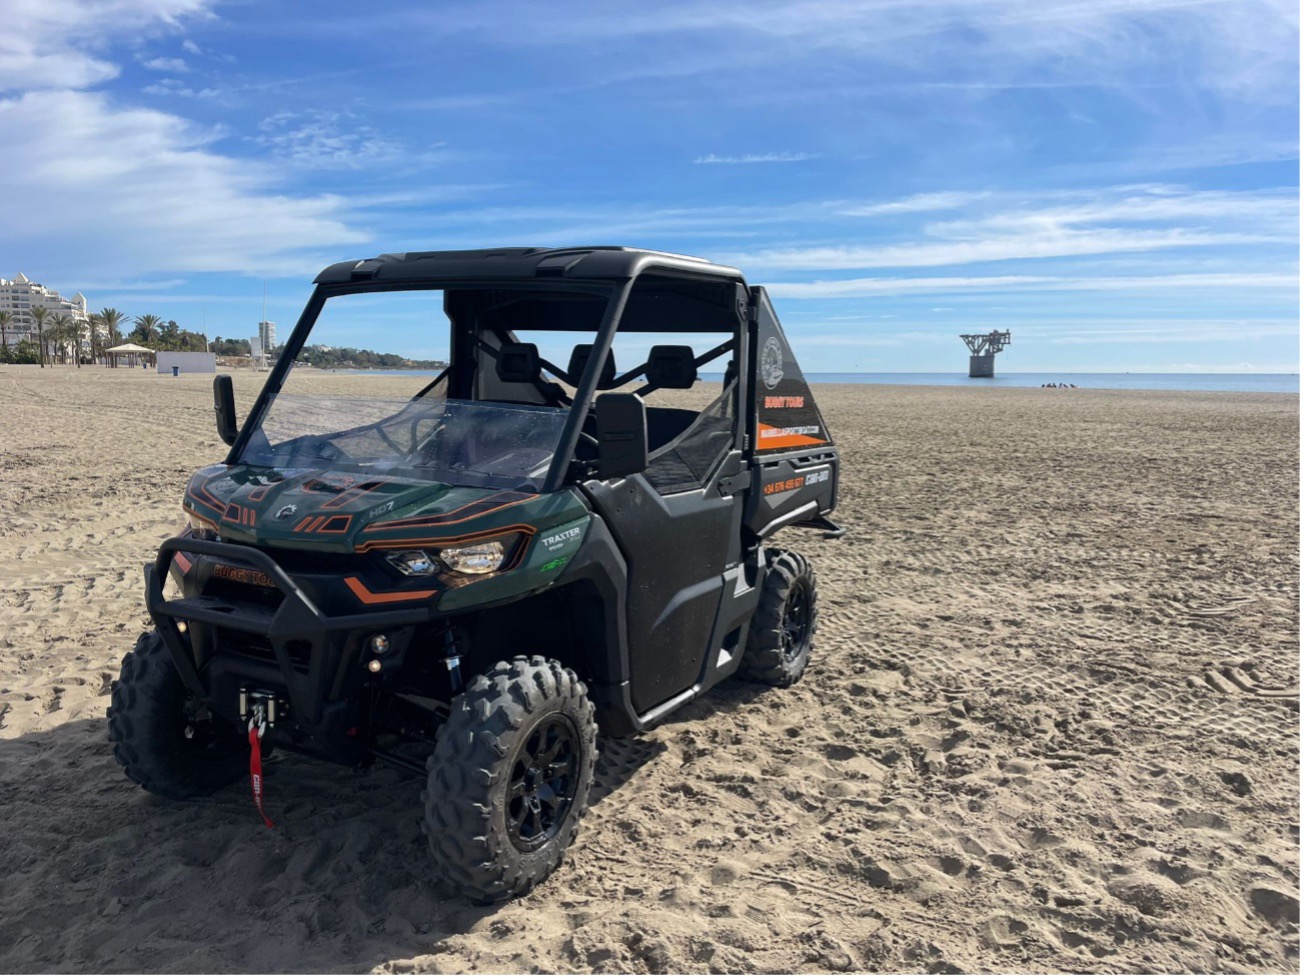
(200, 528)
(474, 558)
(412, 563)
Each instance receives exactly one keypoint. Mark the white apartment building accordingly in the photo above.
(267, 336)
(20, 296)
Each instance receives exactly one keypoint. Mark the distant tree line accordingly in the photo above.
(154, 333)
(229, 347)
(60, 338)
(63, 339)
(347, 358)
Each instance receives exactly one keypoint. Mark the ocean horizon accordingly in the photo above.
(1279, 383)
(1286, 383)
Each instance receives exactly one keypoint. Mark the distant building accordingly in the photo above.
(258, 355)
(267, 336)
(20, 296)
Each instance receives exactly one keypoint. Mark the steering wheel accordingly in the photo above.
(389, 442)
(419, 443)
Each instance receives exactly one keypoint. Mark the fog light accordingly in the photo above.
(181, 626)
(379, 644)
(374, 665)
(412, 563)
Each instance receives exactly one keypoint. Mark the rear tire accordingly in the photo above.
(783, 627)
(510, 778)
(149, 717)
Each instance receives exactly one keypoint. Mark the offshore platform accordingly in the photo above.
(983, 349)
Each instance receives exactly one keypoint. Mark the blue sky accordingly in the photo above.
(1116, 181)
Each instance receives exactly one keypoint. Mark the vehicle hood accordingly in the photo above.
(356, 512)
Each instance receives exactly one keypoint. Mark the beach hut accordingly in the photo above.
(138, 355)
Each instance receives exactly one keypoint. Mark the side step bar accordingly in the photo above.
(830, 528)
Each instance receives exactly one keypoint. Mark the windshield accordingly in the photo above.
(370, 389)
(489, 445)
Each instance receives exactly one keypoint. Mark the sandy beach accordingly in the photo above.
(1051, 721)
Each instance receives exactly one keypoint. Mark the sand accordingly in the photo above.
(1050, 723)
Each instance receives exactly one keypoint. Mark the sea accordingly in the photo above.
(1272, 383)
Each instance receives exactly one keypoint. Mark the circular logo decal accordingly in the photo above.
(771, 363)
(286, 511)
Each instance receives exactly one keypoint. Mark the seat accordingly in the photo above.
(671, 367)
(579, 360)
(518, 363)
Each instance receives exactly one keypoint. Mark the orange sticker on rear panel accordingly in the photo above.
(788, 437)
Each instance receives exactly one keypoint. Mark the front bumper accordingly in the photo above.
(312, 658)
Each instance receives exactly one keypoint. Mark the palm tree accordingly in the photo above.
(147, 329)
(58, 335)
(5, 316)
(39, 312)
(111, 319)
(76, 328)
(67, 338)
(93, 324)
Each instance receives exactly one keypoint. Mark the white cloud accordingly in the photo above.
(867, 287)
(917, 204)
(191, 47)
(757, 158)
(327, 140)
(1246, 50)
(1047, 243)
(1064, 224)
(178, 88)
(1230, 331)
(861, 287)
(166, 64)
(145, 191)
(49, 43)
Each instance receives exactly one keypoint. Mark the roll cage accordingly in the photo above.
(488, 295)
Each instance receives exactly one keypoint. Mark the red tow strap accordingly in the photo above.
(256, 772)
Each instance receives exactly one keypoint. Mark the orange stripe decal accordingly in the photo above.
(408, 543)
(361, 592)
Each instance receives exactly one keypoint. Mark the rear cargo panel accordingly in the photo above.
(795, 463)
(786, 415)
(792, 488)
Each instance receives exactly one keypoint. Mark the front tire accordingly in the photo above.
(783, 627)
(510, 778)
(163, 739)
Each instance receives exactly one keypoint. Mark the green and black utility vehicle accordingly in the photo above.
(471, 575)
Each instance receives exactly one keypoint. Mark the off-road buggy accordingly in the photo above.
(473, 579)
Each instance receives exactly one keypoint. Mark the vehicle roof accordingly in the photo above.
(495, 264)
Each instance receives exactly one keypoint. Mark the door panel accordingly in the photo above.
(677, 548)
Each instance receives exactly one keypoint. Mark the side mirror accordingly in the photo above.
(622, 435)
(224, 408)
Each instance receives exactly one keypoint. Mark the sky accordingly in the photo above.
(1114, 181)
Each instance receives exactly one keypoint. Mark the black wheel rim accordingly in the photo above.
(541, 787)
(796, 623)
